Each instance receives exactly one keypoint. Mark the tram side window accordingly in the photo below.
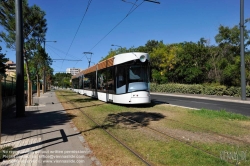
(80, 82)
(93, 82)
(110, 80)
(121, 79)
(86, 82)
(75, 83)
(101, 80)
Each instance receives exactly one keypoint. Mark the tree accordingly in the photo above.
(62, 79)
(111, 53)
(39, 61)
(34, 29)
(3, 60)
(214, 70)
(229, 62)
(163, 59)
(191, 63)
(229, 38)
(150, 45)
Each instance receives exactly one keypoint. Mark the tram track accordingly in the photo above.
(134, 152)
(207, 130)
(177, 139)
(137, 154)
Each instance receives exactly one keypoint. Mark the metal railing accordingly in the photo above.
(8, 86)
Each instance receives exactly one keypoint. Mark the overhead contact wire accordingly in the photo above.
(116, 26)
(77, 29)
(130, 12)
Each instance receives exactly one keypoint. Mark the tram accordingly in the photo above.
(122, 79)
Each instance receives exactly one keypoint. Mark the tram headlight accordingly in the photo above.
(142, 58)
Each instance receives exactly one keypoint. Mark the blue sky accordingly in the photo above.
(172, 21)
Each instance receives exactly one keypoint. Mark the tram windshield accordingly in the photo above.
(138, 78)
(138, 73)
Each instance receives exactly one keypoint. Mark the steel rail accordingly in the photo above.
(114, 137)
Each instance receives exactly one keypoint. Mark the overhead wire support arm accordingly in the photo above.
(89, 59)
(152, 1)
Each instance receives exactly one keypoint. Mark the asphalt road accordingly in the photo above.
(240, 108)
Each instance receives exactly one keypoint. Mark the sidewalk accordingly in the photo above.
(45, 136)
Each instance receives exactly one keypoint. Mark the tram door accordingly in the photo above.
(110, 83)
(121, 80)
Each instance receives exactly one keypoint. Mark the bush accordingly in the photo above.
(248, 91)
(206, 89)
(233, 91)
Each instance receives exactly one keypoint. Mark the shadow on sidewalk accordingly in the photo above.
(33, 120)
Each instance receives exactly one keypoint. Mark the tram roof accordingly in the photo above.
(101, 65)
(117, 59)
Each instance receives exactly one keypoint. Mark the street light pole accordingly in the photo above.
(117, 46)
(242, 51)
(44, 74)
(20, 102)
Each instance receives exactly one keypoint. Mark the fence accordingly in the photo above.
(34, 88)
(8, 86)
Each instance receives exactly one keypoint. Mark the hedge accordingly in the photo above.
(206, 89)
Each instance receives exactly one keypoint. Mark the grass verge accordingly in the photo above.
(186, 128)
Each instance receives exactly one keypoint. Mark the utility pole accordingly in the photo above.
(242, 51)
(20, 102)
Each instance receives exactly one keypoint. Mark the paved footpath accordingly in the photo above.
(45, 136)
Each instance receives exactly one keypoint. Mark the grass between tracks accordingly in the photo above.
(221, 134)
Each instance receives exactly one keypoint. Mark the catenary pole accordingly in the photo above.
(242, 51)
(20, 103)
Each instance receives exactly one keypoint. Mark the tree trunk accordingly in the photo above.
(43, 86)
(28, 94)
(31, 93)
(28, 88)
(38, 86)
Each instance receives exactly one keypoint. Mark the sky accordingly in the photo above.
(106, 22)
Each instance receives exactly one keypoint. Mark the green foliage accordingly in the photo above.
(111, 53)
(177, 88)
(62, 79)
(157, 77)
(191, 64)
(214, 90)
(34, 23)
(231, 37)
(163, 59)
(34, 29)
(3, 60)
(222, 114)
(206, 89)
